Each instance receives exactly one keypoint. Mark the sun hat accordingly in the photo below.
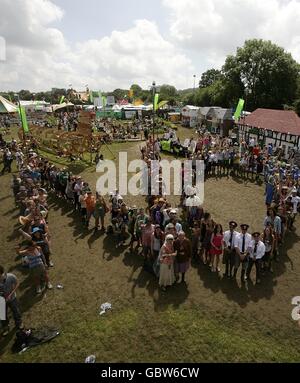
(244, 226)
(170, 226)
(25, 220)
(36, 230)
(169, 237)
(256, 234)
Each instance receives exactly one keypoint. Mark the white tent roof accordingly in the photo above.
(192, 107)
(61, 106)
(7, 106)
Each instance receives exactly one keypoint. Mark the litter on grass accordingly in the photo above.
(104, 307)
(90, 359)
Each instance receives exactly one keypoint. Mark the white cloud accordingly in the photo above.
(215, 28)
(138, 55)
(38, 57)
(25, 23)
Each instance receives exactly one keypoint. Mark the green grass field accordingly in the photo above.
(209, 320)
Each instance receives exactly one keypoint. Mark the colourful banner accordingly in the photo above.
(62, 99)
(239, 109)
(22, 114)
(130, 93)
(104, 100)
(156, 97)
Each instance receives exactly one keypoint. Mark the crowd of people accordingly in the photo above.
(170, 237)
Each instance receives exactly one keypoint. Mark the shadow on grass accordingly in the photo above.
(244, 293)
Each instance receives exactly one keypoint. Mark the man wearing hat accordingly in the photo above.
(170, 229)
(174, 220)
(242, 247)
(229, 251)
(257, 251)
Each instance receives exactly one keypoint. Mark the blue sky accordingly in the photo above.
(92, 19)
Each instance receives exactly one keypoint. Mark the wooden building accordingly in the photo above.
(279, 127)
(217, 120)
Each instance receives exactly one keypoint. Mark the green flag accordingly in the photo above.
(156, 97)
(62, 99)
(22, 114)
(104, 100)
(239, 109)
(91, 97)
(162, 103)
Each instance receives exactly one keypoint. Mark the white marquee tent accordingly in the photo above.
(7, 106)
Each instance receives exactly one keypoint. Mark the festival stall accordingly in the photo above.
(190, 116)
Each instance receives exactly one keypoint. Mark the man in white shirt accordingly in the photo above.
(257, 251)
(295, 201)
(229, 251)
(251, 143)
(242, 247)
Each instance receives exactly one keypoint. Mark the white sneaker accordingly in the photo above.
(49, 286)
(38, 290)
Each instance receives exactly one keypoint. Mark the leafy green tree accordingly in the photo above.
(263, 73)
(119, 94)
(137, 91)
(25, 95)
(209, 77)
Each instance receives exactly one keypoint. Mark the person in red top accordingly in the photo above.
(216, 247)
(256, 150)
(90, 202)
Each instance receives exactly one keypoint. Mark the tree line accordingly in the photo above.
(261, 72)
